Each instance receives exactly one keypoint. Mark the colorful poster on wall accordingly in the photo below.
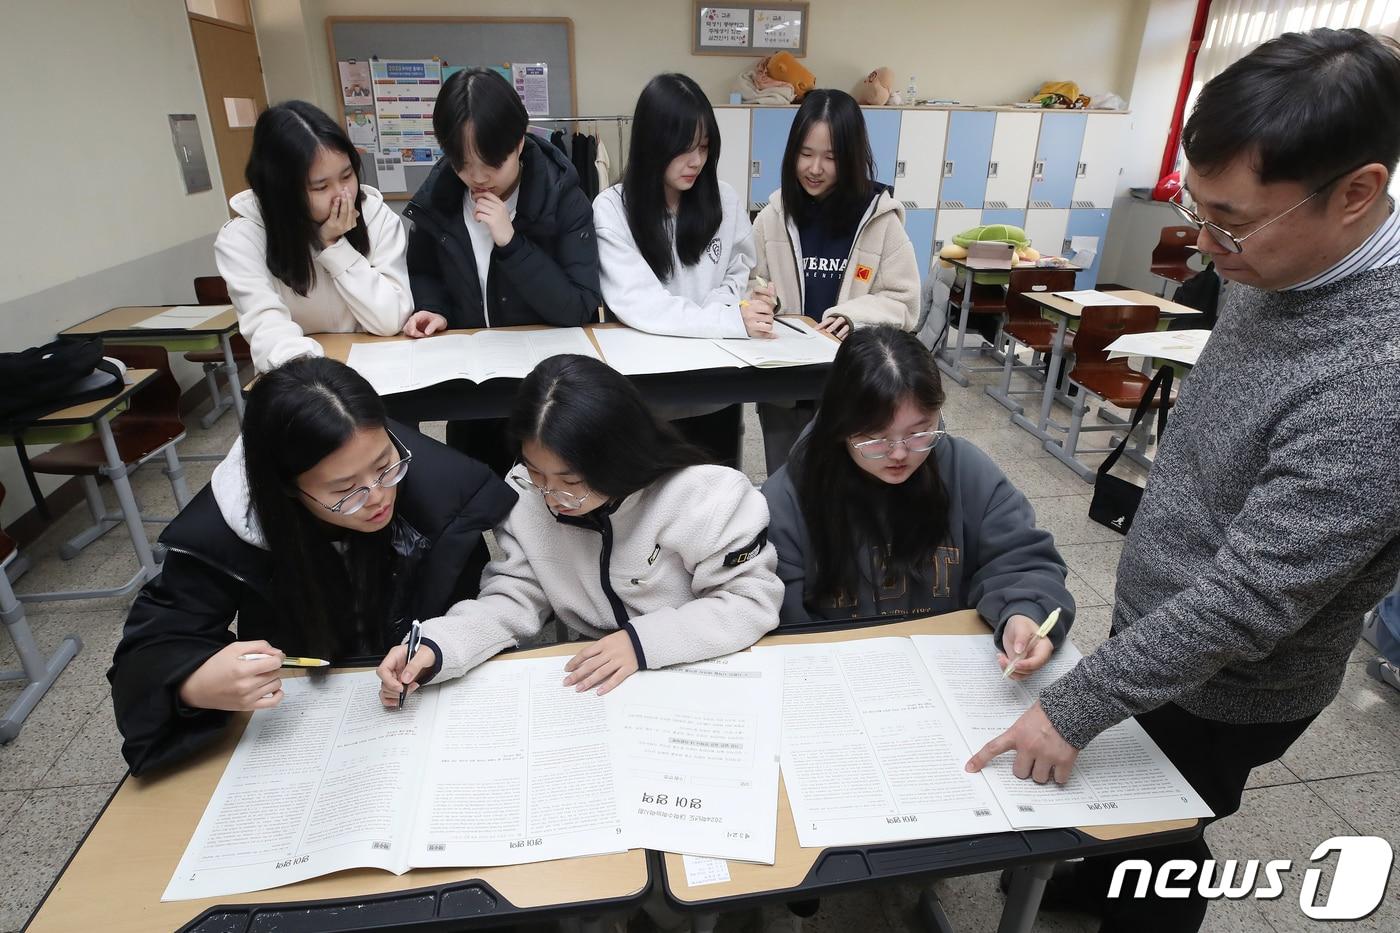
(724, 27)
(355, 85)
(532, 84)
(405, 91)
(777, 29)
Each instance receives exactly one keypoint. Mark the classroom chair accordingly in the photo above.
(1174, 247)
(1024, 327)
(37, 671)
(212, 290)
(1096, 377)
(151, 426)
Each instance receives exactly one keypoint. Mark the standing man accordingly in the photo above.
(1271, 521)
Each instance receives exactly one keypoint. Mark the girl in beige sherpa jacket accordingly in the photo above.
(623, 533)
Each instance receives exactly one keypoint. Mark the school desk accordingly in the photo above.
(461, 400)
(799, 873)
(120, 325)
(1065, 312)
(950, 358)
(114, 881)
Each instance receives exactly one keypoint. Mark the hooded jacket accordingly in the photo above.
(215, 587)
(994, 560)
(881, 284)
(349, 293)
(546, 274)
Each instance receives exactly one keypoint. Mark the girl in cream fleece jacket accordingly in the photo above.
(623, 534)
(310, 249)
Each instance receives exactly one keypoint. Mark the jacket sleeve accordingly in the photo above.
(425, 277)
(1300, 538)
(179, 620)
(894, 295)
(638, 299)
(264, 320)
(788, 533)
(1019, 571)
(510, 608)
(563, 289)
(742, 257)
(737, 593)
(375, 287)
(760, 252)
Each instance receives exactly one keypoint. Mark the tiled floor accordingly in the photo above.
(1341, 778)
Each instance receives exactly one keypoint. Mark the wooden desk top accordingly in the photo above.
(793, 863)
(1072, 309)
(115, 879)
(123, 321)
(92, 411)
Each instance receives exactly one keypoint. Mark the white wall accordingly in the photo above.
(96, 213)
(977, 53)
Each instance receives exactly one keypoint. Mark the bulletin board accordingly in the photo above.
(750, 28)
(460, 41)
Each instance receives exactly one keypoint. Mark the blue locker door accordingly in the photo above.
(882, 126)
(919, 225)
(1012, 218)
(1057, 159)
(965, 161)
(1088, 223)
(770, 133)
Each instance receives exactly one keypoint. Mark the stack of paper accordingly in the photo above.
(183, 317)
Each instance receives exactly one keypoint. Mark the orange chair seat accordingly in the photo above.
(1117, 385)
(136, 438)
(7, 546)
(1176, 271)
(986, 299)
(1038, 335)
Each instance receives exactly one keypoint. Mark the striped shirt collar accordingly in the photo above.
(1381, 249)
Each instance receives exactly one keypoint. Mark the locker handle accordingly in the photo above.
(992, 169)
(948, 169)
(1081, 170)
(899, 169)
(1039, 170)
(755, 168)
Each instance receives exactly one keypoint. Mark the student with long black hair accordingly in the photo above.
(831, 242)
(311, 250)
(501, 232)
(624, 534)
(324, 533)
(675, 241)
(882, 512)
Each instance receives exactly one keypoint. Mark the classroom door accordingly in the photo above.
(231, 73)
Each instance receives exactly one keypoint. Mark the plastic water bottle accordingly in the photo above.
(911, 93)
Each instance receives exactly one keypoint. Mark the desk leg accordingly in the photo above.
(1023, 901)
(954, 367)
(235, 384)
(1047, 399)
(37, 671)
(931, 916)
(117, 473)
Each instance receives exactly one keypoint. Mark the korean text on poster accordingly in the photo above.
(405, 91)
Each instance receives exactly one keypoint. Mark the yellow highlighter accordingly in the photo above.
(1040, 633)
(288, 662)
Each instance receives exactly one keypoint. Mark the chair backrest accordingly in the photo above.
(1021, 309)
(1174, 245)
(159, 399)
(1103, 324)
(210, 290)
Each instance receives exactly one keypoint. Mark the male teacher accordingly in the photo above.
(1271, 520)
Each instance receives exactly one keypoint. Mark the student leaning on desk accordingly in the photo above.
(312, 250)
(325, 531)
(625, 535)
(880, 511)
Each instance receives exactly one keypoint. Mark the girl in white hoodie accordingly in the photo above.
(311, 250)
(623, 533)
(675, 243)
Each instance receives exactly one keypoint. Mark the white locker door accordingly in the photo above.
(952, 222)
(1099, 161)
(733, 164)
(1046, 230)
(918, 168)
(1012, 161)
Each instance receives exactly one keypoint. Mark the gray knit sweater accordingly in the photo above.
(1271, 520)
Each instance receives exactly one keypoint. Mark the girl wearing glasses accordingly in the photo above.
(879, 512)
(324, 533)
(623, 533)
